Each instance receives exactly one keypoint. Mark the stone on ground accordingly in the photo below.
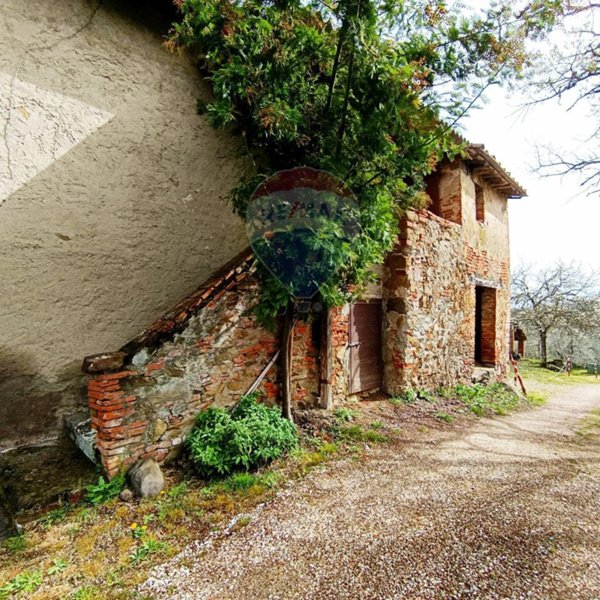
(145, 478)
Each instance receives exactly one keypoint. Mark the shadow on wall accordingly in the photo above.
(33, 406)
(157, 15)
(38, 462)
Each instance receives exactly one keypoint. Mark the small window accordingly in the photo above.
(433, 191)
(479, 204)
(444, 192)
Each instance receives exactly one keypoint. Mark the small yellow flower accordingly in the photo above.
(162, 492)
(134, 526)
(144, 527)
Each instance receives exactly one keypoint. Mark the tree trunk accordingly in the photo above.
(287, 349)
(543, 348)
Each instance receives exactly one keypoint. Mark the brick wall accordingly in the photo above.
(339, 331)
(429, 290)
(147, 408)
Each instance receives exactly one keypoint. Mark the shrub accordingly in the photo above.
(250, 436)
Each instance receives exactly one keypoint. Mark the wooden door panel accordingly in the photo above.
(366, 365)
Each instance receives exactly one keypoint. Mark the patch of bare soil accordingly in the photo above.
(502, 508)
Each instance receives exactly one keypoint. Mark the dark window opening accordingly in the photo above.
(432, 189)
(444, 191)
(485, 326)
(317, 330)
(479, 204)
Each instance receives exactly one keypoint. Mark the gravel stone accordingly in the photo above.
(504, 510)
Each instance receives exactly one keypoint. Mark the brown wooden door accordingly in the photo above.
(366, 365)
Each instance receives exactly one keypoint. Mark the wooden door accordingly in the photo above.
(366, 364)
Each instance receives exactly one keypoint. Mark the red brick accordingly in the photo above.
(115, 414)
(104, 395)
(113, 376)
(103, 386)
(155, 366)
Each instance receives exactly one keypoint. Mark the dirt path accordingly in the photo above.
(506, 509)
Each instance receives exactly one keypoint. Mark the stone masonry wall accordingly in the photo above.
(429, 302)
(147, 408)
(429, 291)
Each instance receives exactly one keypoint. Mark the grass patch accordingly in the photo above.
(481, 399)
(146, 549)
(408, 397)
(411, 396)
(245, 481)
(16, 543)
(536, 398)
(532, 372)
(442, 416)
(590, 425)
(56, 516)
(345, 414)
(27, 581)
(356, 433)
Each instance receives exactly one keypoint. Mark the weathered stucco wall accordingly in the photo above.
(112, 193)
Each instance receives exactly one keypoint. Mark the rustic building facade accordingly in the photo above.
(111, 202)
(441, 311)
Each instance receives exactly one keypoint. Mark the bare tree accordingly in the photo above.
(571, 73)
(561, 296)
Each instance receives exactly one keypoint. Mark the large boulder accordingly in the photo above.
(145, 478)
(8, 527)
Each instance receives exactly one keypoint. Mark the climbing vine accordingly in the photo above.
(368, 90)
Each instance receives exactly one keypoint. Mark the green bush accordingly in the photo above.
(250, 436)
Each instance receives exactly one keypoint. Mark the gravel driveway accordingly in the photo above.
(507, 509)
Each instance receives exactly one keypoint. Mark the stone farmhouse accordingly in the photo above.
(112, 209)
(439, 313)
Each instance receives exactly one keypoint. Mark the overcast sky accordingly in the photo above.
(556, 221)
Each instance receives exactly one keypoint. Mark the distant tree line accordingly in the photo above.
(559, 309)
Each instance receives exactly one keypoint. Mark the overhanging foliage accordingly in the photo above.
(360, 88)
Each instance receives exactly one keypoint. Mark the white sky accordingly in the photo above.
(556, 221)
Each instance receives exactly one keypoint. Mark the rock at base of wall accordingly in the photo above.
(8, 527)
(145, 478)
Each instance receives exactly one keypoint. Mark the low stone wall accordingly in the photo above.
(147, 408)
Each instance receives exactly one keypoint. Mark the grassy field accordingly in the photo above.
(537, 378)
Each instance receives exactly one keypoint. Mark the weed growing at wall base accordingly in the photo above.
(479, 399)
(103, 491)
